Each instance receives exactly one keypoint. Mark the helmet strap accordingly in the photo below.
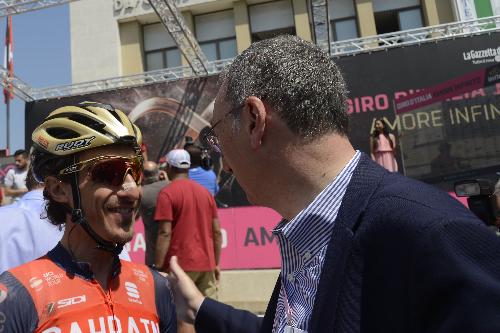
(78, 218)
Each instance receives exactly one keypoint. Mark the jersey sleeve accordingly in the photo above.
(17, 310)
(164, 304)
(164, 209)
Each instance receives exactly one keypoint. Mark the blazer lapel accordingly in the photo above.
(363, 184)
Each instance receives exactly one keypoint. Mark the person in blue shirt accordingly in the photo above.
(22, 224)
(204, 177)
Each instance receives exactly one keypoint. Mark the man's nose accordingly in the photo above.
(129, 188)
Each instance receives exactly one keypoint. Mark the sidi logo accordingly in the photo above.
(81, 143)
(71, 301)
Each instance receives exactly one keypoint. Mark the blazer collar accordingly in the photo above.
(364, 182)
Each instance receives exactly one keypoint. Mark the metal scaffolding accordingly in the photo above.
(341, 48)
(174, 22)
(11, 7)
(321, 24)
(415, 36)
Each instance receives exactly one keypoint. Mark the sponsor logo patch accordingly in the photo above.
(71, 301)
(3, 292)
(53, 279)
(36, 283)
(140, 274)
(42, 142)
(76, 144)
(48, 310)
(133, 292)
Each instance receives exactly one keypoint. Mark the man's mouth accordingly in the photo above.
(121, 210)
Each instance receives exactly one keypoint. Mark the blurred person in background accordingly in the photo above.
(202, 174)
(188, 228)
(88, 157)
(151, 187)
(15, 179)
(383, 146)
(25, 234)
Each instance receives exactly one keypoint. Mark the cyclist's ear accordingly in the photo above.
(57, 191)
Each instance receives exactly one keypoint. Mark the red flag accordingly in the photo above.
(9, 60)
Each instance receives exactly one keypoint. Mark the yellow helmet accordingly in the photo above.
(71, 129)
(75, 128)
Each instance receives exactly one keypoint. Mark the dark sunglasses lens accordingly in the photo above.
(110, 172)
(136, 168)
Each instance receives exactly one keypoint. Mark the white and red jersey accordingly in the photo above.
(53, 294)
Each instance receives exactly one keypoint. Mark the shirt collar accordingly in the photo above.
(36, 194)
(319, 216)
(63, 259)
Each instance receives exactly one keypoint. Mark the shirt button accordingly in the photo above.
(307, 255)
(290, 278)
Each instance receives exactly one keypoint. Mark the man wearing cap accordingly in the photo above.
(188, 225)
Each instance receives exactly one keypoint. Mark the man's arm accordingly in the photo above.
(9, 191)
(217, 235)
(17, 310)
(457, 279)
(162, 242)
(207, 315)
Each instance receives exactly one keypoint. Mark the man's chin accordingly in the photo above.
(123, 238)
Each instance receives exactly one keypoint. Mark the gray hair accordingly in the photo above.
(298, 80)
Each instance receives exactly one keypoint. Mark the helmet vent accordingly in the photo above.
(62, 133)
(116, 116)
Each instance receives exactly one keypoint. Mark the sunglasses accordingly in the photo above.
(111, 170)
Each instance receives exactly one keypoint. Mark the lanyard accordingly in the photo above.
(288, 309)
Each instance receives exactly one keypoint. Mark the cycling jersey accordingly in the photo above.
(54, 294)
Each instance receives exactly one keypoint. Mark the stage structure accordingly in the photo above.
(321, 24)
(339, 49)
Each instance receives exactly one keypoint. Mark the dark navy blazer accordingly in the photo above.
(403, 257)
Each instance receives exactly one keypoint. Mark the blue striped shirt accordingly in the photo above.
(303, 242)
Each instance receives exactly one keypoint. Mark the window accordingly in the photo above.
(271, 19)
(160, 49)
(392, 16)
(216, 35)
(342, 19)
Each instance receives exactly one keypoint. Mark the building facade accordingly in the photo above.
(126, 37)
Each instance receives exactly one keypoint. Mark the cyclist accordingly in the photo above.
(89, 158)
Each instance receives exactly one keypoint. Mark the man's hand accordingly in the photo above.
(188, 298)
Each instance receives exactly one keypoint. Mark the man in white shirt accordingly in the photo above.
(15, 180)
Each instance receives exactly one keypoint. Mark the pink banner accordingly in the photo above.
(247, 240)
(440, 92)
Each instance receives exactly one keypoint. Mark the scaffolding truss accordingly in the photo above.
(415, 36)
(321, 23)
(12, 7)
(173, 20)
(338, 49)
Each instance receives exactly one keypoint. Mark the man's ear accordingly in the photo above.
(256, 111)
(58, 191)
